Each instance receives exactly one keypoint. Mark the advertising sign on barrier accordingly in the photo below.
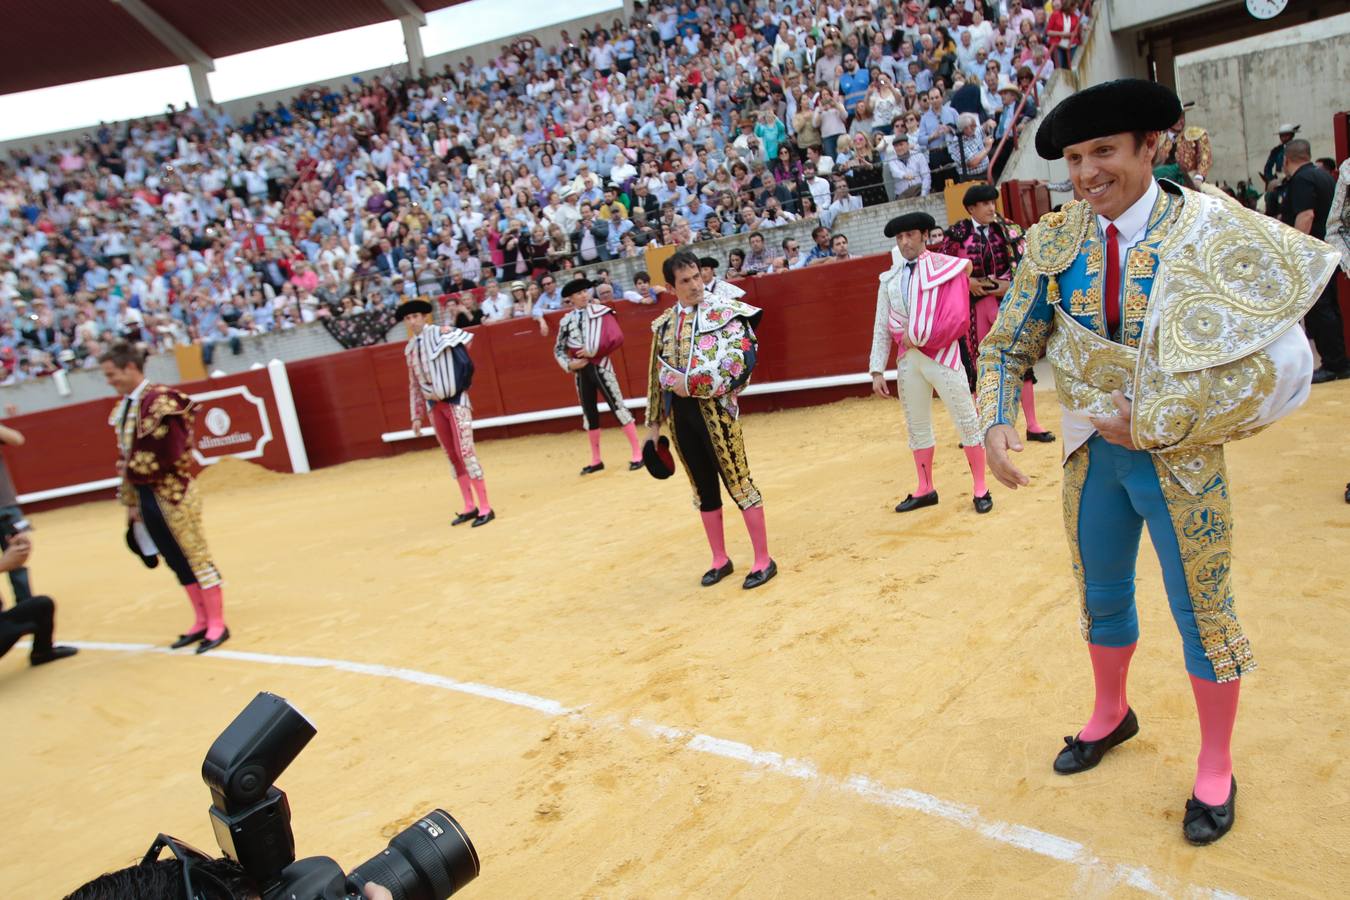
(71, 453)
(230, 422)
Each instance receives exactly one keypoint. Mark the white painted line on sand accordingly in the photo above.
(1010, 834)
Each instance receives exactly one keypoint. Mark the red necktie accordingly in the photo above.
(1111, 291)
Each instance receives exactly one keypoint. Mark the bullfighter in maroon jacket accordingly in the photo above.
(153, 424)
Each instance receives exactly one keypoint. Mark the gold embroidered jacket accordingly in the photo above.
(1211, 352)
(711, 352)
(155, 441)
(1190, 150)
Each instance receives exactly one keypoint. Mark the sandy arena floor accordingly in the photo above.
(915, 676)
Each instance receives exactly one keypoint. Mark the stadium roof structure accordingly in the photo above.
(76, 40)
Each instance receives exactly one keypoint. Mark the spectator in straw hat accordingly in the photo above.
(1275, 160)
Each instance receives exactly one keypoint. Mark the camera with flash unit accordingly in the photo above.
(429, 860)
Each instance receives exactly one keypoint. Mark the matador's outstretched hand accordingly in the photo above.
(997, 443)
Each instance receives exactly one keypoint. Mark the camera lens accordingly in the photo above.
(428, 860)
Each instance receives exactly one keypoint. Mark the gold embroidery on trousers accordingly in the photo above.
(728, 445)
(1203, 524)
(1075, 476)
(184, 519)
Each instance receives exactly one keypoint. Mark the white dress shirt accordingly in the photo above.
(1130, 228)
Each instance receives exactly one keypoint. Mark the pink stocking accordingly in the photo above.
(480, 487)
(466, 491)
(759, 536)
(975, 456)
(594, 437)
(1110, 669)
(923, 462)
(712, 527)
(1217, 704)
(194, 592)
(630, 431)
(1029, 407)
(215, 613)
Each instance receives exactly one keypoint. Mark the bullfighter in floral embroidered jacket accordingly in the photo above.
(1172, 320)
(153, 425)
(703, 352)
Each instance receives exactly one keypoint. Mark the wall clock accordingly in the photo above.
(1266, 9)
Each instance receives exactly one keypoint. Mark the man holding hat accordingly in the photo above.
(703, 351)
(587, 334)
(1171, 318)
(439, 374)
(154, 425)
(923, 307)
(994, 246)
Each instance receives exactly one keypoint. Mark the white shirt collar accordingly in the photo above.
(1132, 223)
(135, 395)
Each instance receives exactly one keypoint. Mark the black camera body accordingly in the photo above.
(430, 860)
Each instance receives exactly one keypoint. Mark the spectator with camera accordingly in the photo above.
(13, 524)
(35, 616)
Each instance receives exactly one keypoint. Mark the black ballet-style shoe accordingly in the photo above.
(634, 465)
(1041, 437)
(984, 504)
(755, 579)
(712, 576)
(191, 637)
(1079, 755)
(1205, 824)
(464, 517)
(587, 470)
(483, 520)
(919, 502)
(211, 645)
(57, 652)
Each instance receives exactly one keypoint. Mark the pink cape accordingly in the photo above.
(940, 314)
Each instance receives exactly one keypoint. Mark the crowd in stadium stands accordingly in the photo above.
(482, 183)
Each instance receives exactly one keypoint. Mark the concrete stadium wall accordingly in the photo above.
(1243, 91)
(1145, 13)
(85, 384)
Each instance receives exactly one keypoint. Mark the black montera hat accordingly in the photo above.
(151, 560)
(980, 193)
(656, 457)
(408, 307)
(910, 221)
(576, 286)
(1112, 107)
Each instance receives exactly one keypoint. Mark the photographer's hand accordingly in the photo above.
(16, 555)
(373, 891)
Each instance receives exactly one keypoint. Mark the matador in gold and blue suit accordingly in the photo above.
(1187, 305)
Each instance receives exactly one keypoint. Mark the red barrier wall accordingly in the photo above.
(817, 322)
(74, 444)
